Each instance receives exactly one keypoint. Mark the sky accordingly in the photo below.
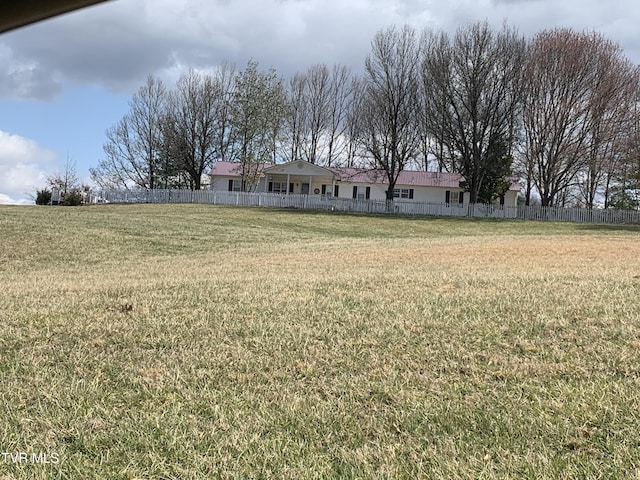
(64, 81)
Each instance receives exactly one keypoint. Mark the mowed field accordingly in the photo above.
(189, 342)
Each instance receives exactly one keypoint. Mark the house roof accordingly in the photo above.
(232, 169)
(406, 177)
(299, 167)
(412, 178)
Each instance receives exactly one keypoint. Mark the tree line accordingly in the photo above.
(558, 111)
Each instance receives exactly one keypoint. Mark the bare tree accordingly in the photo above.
(342, 93)
(134, 145)
(191, 130)
(224, 80)
(611, 112)
(437, 62)
(353, 122)
(389, 109)
(318, 103)
(523, 168)
(569, 109)
(296, 118)
(622, 182)
(67, 184)
(471, 100)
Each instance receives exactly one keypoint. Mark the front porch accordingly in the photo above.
(300, 178)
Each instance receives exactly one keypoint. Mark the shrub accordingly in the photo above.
(72, 198)
(43, 197)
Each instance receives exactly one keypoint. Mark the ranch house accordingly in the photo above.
(304, 178)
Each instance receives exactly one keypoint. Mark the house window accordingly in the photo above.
(453, 197)
(361, 193)
(278, 187)
(403, 193)
(235, 185)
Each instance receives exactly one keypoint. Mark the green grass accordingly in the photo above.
(187, 342)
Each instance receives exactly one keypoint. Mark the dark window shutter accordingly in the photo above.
(336, 189)
(270, 189)
(231, 185)
(324, 190)
(461, 197)
(355, 192)
(501, 199)
(411, 193)
(291, 187)
(368, 193)
(447, 196)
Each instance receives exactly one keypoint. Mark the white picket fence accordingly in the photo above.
(326, 202)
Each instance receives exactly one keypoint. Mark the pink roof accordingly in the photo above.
(232, 169)
(406, 177)
(361, 175)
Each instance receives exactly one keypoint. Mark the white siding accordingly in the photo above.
(420, 193)
(220, 183)
(377, 192)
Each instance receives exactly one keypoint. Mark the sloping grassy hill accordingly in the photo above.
(189, 342)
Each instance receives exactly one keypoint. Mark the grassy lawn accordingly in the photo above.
(188, 342)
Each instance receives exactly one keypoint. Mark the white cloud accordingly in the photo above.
(23, 166)
(7, 200)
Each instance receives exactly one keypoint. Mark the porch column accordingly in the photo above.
(310, 185)
(288, 182)
(333, 185)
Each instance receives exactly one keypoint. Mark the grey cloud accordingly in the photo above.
(25, 79)
(119, 43)
(90, 48)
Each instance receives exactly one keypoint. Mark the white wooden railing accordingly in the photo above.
(405, 207)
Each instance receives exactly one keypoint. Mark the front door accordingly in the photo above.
(305, 189)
